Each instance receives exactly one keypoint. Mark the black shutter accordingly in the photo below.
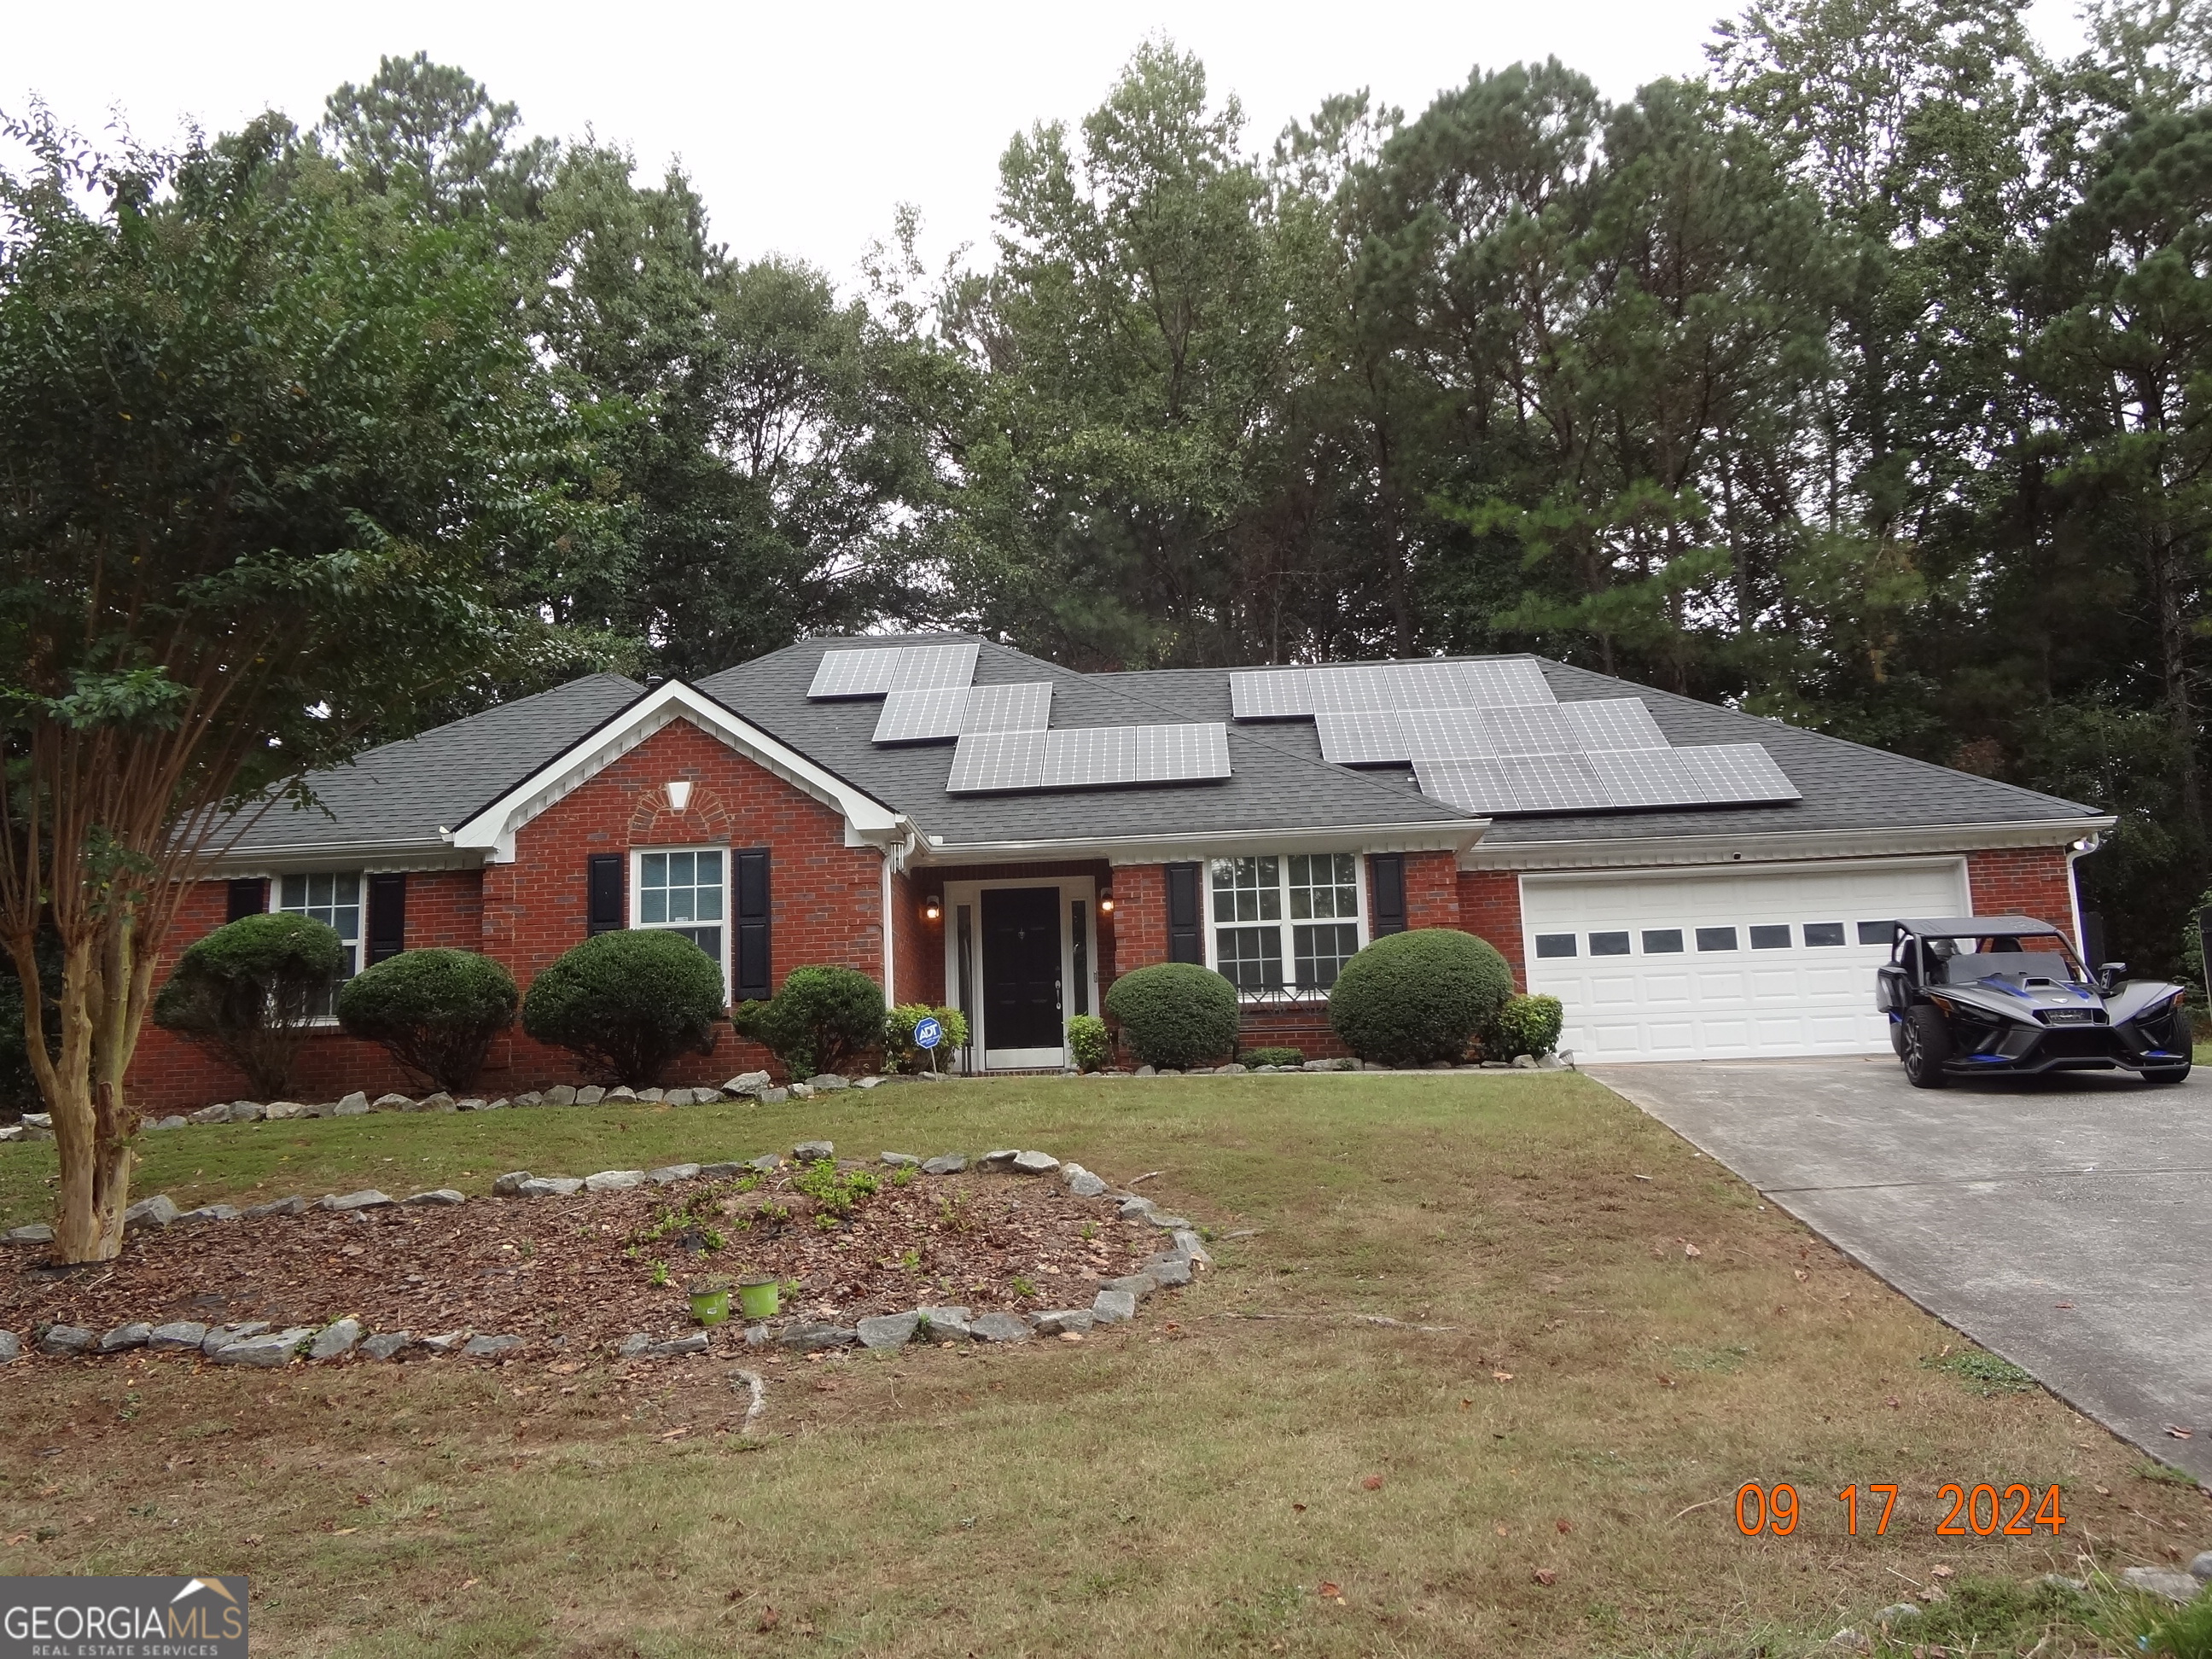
(604, 913)
(749, 964)
(387, 917)
(1186, 925)
(249, 896)
(1389, 874)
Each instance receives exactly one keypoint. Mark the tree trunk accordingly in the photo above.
(82, 1084)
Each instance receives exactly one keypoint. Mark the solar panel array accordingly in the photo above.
(943, 713)
(1288, 694)
(1089, 757)
(875, 670)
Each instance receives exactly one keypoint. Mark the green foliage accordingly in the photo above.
(836, 1194)
(900, 1053)
(1984, 1373)
(1175, 1014)
(436, 1011)
(2151, 1625)
(625, 1004)
(1525, 1026)
(1273, 1057)
(1089, 1043)
(821, 1020)
(1409, 999)
(250, 991)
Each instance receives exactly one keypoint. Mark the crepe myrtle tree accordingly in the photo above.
(260, 439)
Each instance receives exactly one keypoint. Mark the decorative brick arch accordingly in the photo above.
(706, 817)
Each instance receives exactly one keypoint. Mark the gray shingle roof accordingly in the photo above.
(404, 792)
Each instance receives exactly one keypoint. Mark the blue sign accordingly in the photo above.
(927, 1032)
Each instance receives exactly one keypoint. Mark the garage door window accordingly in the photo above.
(1716, 939)
(1876, 933)
(1555, 945)
(1824, 933)
(1770, 939)
(1608, 945)
(1661, 941)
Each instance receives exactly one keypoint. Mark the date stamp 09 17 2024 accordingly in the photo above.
(1983, 1510)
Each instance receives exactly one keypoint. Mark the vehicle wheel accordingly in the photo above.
(1897, 1038)
(1927, 1046)
(2165, 1075)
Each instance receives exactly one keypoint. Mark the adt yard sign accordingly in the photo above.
(927, 1032)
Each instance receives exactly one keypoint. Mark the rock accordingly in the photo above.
(930, 1077)
(888, 1330)
(295, 1205)
(209, 1212)
(159, 1211)
(38, 1120)
(651, 1096)
(392, 1103)
(172, 1121)
(809, 1336)
(1140, 1285)
(1234, 1068)
(561, 1094)
(37, 1233)
(1035, 1163)
(1136, 1208)
(623, 1093)
(634, 1344)
(530, 1098)
(2201, 1568)
(1188, 1244)
(766, 1164)
(367, 1199)
(1147, 1071)
(222, 1336)
(276, 1348)
(180, 1334)
(500, 1105)
(676, 1347)
(125, 1336)
(549, 1187)
(999, 1327)
(436, 1195)
(1061, 1320)
(63, 1340)
(746, 1083)
(943, 1324)
(773, 1096)
(676, 1097)
(218, 1112)
(1081, 1181)
(866, 1082)
(11, 1347)
(445, 1341)
(387, 1344)
(813, 1152)
(614, 1181)
(490, 1347)
(798, 1091)
(511, 1184)
(440, 1101)
(1257, 1070)
(11, 1133)
(1169, 1271)
(473, 1103)
(901, 1160)
(1112, 1307)
(591, 1095)
(1847, 1638)
(1168, 1223)
(322, 1109)
(247, 1111)
(352, 1106)
(1524, 1062)
(828, 1083)
(31, 1132)
(999, 1159)
(668, 1173)
(2059, 1581)
(722, 1171)
(2179, 1587)
(1550, 1063)
(1898, 1613)
(336, 1340)
(945, 1163)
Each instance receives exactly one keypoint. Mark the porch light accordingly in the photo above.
(1106, 903)
(932, 909)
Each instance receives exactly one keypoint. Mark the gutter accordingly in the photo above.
(1456, 835)
(1768, 845)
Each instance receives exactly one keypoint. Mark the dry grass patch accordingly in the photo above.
(1549, 1474)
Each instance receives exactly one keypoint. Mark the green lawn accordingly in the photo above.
(1548, 1470)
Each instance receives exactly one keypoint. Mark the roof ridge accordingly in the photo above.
(489, 709)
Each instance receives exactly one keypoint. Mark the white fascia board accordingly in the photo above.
(1425, 837)
(1626, 853)
(868, 821)
(370, 857)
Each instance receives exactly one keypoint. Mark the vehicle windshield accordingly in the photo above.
(2015, 957)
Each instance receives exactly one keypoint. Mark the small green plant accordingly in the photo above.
(660, 1275)
(1023, 1288)
(1984, 1373)
(899, 1051)
(2149, 1625)
(2164, 1476)
(1273, 1057)
(903, 1175)
(954, 1212)
(1090, 1043)
(820, 1020)
(748, 1183)
(824, 1221)
(1089, 1230)
(911, 1260)
(1525, 1026)
(834, 1193)
(527, 1249)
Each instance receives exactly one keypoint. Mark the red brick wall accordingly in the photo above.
(1432, 890)
(1490, 908)
(917, 944)
(1140, 917)
(2023, 881)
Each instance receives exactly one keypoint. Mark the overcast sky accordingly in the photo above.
(805, 124)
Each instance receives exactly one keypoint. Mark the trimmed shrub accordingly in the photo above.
(250, 990)
(1525, 1026)
(434, 1011)
(820, 1020)
(1175, 1014)
(899, 1051)
(625, 1004)
(1413, 998)
(1089, 1043)
(1273, 1057)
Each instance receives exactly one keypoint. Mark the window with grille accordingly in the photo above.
(332, 897)
(1284, 925)
(683, 892)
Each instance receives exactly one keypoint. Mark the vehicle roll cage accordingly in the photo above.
(2015, 934)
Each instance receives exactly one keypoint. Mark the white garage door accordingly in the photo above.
(1711, 967)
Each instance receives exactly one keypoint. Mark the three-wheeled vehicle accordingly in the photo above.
(2006, 995)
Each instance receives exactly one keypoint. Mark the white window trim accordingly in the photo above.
(1212, 924)
(636, 902)
(272, 891)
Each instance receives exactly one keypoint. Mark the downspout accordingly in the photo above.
(2079, 850)
(891, 951)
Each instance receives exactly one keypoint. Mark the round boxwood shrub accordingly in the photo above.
(821, 1020)
(1525, 1026)
(250, 991)
(625, 1004)
(1175, 1014)
(1410, 999)
(434, 1011)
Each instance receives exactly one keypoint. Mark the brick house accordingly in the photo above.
(971, 825)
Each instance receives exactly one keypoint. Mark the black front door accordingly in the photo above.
(1021, 968)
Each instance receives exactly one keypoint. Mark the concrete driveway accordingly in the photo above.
(1992, 1204)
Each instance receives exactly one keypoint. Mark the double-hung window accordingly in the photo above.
(684, 893)
(1285, 923)
(333, 897)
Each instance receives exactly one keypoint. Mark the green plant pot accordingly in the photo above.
(759, 1299)
(710, 1306)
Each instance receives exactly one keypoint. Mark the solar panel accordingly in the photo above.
(1183, 754)
(1645, 777)
(1736, 772)
(1526, 729)
(1504, 680)
(1447, 733)
(931, 716)
(1373, 738)
(922, 667)
(1613, 723)
(1088, 757)
(1269, 694)
(866, 674)
(984, 760)
(1023, 707)
(1513, 783)
(1276, 694)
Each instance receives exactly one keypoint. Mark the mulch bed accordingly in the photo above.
(577, 1273)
